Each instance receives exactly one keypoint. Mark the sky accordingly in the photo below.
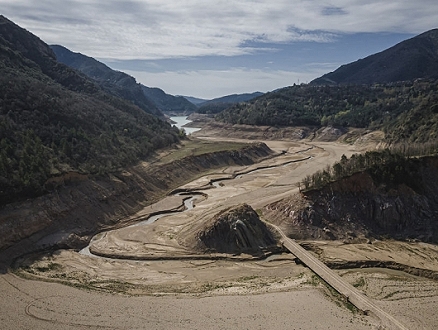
(209, 49)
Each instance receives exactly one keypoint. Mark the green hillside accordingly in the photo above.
(54, 120)
(405, 110)
(120, 84)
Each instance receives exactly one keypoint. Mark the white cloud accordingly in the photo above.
(117, 30)
(151, 29)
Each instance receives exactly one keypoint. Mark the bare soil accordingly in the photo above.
(70, 290)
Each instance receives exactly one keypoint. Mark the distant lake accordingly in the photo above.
(180, 121)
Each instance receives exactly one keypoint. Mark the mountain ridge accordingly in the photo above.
(150, 99)
(410, 59)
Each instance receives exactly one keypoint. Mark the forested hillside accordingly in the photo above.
(404, 110)
(221, 103)
(168, 103)
(54, 120)
(120, 84)
(377, 195)
(389, 168)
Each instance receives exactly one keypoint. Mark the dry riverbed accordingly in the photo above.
(192, 293)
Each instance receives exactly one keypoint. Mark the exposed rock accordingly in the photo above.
(216, 128)
(330, 133)
(237, 230)
(355, 209)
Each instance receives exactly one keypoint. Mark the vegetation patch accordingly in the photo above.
(406, 111)
(195, 147)
(386, 167)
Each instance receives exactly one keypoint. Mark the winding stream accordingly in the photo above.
(193, 195)
(188, 205)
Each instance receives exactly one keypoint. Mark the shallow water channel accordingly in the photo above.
(191, 197)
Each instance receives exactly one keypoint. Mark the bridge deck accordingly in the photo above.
(352, 294)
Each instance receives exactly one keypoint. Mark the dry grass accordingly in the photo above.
(195, 147)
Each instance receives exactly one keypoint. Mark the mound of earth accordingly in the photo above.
(236, 230)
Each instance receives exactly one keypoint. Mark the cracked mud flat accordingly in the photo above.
(215, 294)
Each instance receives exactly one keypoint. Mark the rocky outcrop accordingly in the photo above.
(237, 230)
(356, 209)
(80, 206)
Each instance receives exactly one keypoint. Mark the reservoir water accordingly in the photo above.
(180, 121)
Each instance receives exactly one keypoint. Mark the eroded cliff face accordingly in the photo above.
(356, 209)
(80, 206)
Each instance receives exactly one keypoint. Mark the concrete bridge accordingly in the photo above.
(352, 294)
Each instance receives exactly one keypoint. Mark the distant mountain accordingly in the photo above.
(195, 100)
(152, 100)
(234, 98)
(221, 103)
(168, 103)
(54, 120)
(411, 59)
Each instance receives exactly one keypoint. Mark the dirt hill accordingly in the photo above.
(236, 230)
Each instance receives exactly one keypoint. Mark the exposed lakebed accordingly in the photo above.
(190, 195)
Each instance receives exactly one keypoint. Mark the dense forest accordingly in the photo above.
(54, 120)
(404, 110)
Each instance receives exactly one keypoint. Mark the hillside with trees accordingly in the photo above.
(54, 120)
(395, 91)
(404, 110)
(120, 84)
(169, 104)
(221, 103)
(376, 195)
(388, 168)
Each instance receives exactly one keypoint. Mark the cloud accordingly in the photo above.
(214, 48)
(154, 29)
